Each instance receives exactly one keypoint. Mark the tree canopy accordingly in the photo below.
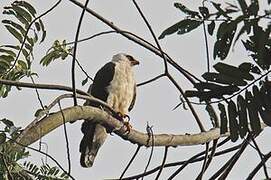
(236, 96)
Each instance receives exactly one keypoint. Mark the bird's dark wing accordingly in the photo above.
(95, 134)
(133, 101)
(102, 80)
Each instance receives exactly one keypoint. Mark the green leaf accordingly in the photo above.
(29, 47)
(204, 12)
(43, 31)
(4, 65)
(220, 11)
(242, 115)
(12, 47)
(2, 138)
(186, 10)
(9, 52)
(211, 27)
(7, 122)
(15, 33)
(37, 25)
(184, 26)
(253, 113)
(225, 36)
(232, 71)
(22, 64)
(253, 9)
(223, 119)
(243, 6)
(224, 79)
(27, 6)
(212, 114)
(48, 58)
(22, 12)
(7, 58)
(84, 81)
(188, 25)
(15, 25)
(233, 124)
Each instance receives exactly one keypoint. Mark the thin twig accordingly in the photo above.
(206, 42)
(150, 134)
(262, 158)
(37, 92)
(226, 168)
(75, 50)
(83, 70)
(196, 158)
(212, 153)
(40, 86)
(191, 159)
(258, 167)
(163, 163)
(66, 138)
(153, 35)
(150, 80)
(188, 103)
(156, 51)
(130, 162)
(27, 30)
(204, 162)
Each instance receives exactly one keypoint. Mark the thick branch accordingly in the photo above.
(54, 120)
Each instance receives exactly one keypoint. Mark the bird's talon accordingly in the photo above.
(128, 126)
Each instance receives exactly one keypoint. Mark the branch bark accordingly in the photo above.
(54, 120)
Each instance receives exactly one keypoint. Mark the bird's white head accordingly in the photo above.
(122, 57)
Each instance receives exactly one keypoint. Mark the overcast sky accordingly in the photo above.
(154, 102)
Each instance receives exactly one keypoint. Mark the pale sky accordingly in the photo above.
(154, 102)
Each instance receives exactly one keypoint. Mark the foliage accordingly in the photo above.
(58, 50)
(229, 81)
(10, 158)
(27, 29)
(16, 59)
(45, 172)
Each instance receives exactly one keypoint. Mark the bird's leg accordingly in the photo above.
(122, 118)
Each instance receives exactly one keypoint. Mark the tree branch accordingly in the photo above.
(40, 86)
(54, 120)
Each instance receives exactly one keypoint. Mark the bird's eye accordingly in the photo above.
(130, 57)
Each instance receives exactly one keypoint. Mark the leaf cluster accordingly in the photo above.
(58, 50)
(45, 172)
(16, 60)
(244, 113)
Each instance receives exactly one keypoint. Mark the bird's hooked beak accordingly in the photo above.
(134, 62)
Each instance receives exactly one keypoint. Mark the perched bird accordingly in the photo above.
(114, 84)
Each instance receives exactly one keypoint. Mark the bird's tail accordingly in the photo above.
(94, 137)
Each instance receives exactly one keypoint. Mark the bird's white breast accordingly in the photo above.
(121, 89)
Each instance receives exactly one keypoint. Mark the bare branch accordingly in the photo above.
(258, 167)
(97, 115)
(66, 138)
(75, 50)
(130, 162)
(40, 86)
(153, 35)
(261, 156)
(163, 163)
(139, 41)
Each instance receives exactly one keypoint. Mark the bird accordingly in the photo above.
(114, 84)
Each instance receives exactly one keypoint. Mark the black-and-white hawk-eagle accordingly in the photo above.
(114, 84)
